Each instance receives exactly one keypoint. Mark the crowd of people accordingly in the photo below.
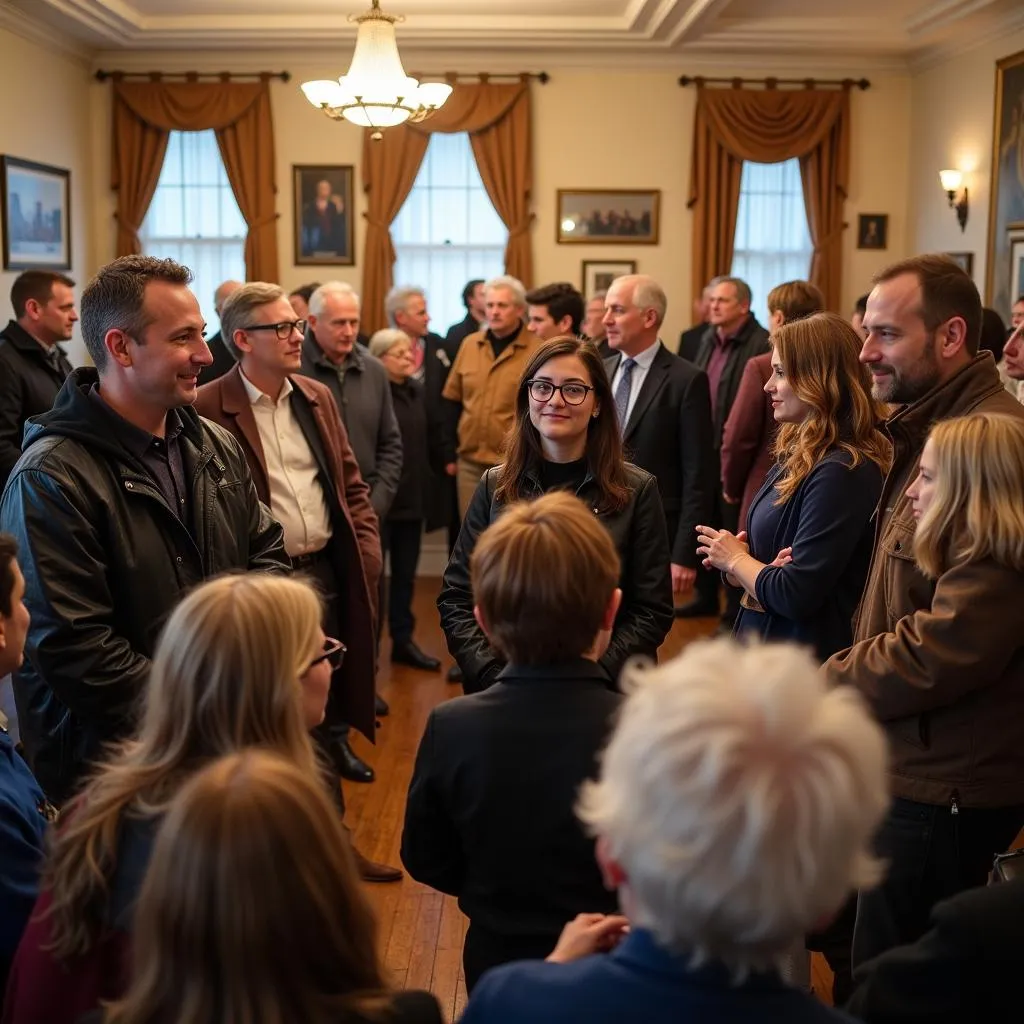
(193, 535)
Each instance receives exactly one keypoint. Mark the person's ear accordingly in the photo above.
(241, 341)
(479, 616)
(118, 346)
(953, 337)
(612, 610)
(612, 874)
(3, 633)
(565, 325)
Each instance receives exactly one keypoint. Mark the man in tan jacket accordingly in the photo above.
(482, 385)
(957, 749)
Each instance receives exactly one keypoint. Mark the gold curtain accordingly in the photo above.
(239, 113)
(497, 118)
(769, 126)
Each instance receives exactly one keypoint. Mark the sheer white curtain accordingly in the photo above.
(447, 233)
(773, 243)
(195, 219)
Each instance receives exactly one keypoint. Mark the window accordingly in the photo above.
(773, 243)
(195, 219)
(447, 232)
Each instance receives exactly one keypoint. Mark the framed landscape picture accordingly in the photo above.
(599, 274)
(608, 215)
(36, 215)
(324, 217)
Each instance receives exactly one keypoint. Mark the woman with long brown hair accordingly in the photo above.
(242, 662)
(566, 437)
(809, 527)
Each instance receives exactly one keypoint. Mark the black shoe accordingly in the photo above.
(350, 766)
(699, 609)
(380, 706)
(454, 674)
(409, 654)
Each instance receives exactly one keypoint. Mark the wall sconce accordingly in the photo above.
(951, 181)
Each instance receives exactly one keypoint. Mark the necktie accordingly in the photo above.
(622, 393)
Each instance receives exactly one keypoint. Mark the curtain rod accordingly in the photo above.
(771, 83)
(483, 76)
(192, 76)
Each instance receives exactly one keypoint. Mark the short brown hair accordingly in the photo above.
(542, 576)
(115, 297)
(561, 299)
(35, 284)
(795, 300)
(947, 291)
(239, 307)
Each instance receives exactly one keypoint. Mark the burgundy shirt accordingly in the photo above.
(716, 363)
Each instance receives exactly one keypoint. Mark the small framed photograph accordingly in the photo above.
(1016, 276)
(324, 216)
(964, 260)
(608, 215)
(873, 231)
(36, 215)
(599, 274)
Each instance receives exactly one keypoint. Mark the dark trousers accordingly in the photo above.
(400, 539)
(932, 854)
(485, 949)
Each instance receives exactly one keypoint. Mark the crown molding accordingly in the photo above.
(930, 57)
(18, 23)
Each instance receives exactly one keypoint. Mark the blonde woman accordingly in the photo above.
(224, 935)
(242, 662)
(809, 526)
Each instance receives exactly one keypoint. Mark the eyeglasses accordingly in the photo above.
(333, 653)
(544, 390)
(284, 328)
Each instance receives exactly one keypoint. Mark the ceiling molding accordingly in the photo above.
(15, 22)
(930, 57)
(941, 14)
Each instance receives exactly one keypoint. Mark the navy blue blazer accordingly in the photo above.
(828, 523)
(639, 981)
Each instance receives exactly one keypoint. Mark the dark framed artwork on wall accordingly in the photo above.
(608, 216)
(964, 260)
(1006, 208)
(598, 274)
(873, 231)
(323, 214)
(1015, 278)
(36, 215)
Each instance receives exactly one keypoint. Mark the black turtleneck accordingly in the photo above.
(498, 345)
(563, 476)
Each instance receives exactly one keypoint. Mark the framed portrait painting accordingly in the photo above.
(608, 215)
(873, 231)
(964, 260)
(1016, 274)
(323, 216)
(599, 274)
(36, 215)
(1006, 208)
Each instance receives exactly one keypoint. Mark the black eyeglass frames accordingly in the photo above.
(544, 391)
(333, 653)
(284, 328)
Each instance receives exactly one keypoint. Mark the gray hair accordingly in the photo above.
(385, 339)
(238, 308)
(318, 300)
(743, 293)
(513, 284)
(647, 294)
(599, 295)
(740, 796)
(397, 300)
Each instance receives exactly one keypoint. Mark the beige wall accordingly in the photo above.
(954, 109)
(45, 117)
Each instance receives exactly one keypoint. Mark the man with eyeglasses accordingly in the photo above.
(298, 451)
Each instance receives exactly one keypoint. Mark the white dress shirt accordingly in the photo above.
(297, 499)
(643, 364)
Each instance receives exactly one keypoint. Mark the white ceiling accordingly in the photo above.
(815, 30)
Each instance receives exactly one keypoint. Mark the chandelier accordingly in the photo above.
(376, 92)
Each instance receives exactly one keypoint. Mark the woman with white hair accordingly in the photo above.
(735, 810)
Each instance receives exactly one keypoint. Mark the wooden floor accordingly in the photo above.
(421, 931)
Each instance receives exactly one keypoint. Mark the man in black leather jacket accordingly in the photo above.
(122, 500)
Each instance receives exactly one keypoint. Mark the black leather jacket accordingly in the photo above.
(105, 560)
(638, 530)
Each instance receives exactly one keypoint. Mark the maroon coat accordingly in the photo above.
(355, 543)
(748, 436)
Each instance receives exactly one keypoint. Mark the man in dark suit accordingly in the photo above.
(475, 318)
(302, 464)
(33, 366)
(690, 339)
(664, 410)
(732, 337)
(222, 358)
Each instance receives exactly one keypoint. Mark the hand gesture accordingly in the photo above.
(587, 934)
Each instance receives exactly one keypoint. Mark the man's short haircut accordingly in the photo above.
(304, 291)
(239, 308)
(599, 295)
(861, 306)
(795, 300)
(743, 293)
(647, 294)
(542, 576)
(8, 553)
(947, 291)
(115, 300)
(318, 300)
(1018, 300)
(740, 795)
(397, 300)
(35, 284)
(513, 284)
(467, 292)
(561, 299)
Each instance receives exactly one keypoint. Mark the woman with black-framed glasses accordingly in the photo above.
(565, 437)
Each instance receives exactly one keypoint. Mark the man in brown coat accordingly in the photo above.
(303, 467)
(920, 656)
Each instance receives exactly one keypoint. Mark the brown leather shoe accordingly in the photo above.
(371, 871)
